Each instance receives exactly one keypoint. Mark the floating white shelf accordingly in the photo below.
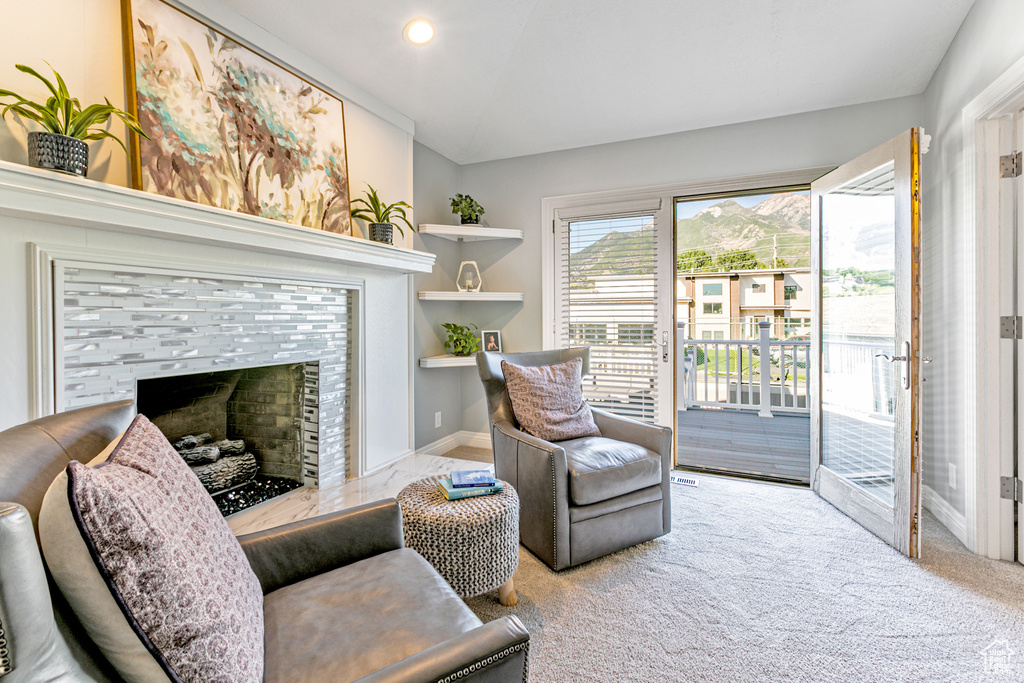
(471, 296)
(448, 361)
(469, 233)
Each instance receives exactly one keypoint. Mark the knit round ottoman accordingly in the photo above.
(473, 542)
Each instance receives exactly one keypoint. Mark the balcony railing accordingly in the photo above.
(763, 375)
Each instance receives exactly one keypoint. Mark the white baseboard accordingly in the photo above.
(461, 438)
(944, 512)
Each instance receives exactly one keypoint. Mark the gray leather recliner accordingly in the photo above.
(369, 609)
(581, 498)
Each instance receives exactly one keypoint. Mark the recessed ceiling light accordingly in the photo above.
(419, 31)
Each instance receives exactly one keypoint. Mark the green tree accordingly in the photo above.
(737, 259)
(693, 260)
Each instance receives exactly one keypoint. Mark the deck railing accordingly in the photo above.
(763, 374)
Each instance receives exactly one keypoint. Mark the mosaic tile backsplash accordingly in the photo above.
(120, 326)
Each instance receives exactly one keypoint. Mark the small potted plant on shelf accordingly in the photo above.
(380, 216)
(62, 146)
(467, 208)
(461, 341)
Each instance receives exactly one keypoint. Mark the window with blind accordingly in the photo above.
(607, 299)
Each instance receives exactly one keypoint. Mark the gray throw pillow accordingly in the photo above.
(149, 565)
(548, 400)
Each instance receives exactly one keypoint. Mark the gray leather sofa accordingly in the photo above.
(343, 599)
(580, 499)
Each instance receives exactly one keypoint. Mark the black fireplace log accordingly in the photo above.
(227, 472)
(191, 441)
(230, 446)
(200, 455)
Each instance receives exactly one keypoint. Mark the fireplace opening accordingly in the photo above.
(248, 434)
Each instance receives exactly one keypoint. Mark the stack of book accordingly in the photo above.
(467, 484)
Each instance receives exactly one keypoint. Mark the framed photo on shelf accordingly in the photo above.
(228, 127)
(490, 340)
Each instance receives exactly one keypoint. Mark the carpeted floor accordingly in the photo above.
(470, 453)
(769, 583)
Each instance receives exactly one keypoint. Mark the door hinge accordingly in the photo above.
(1011, 327)
(1011, 488)
(1010, 165)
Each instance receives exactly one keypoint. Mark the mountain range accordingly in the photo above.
(782, 222)
(783, 219)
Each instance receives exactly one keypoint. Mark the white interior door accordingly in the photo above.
(614, 272)
(865, 398)
(1011, 191)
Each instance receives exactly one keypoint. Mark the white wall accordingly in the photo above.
(511, 191)
(82, 40)
(988, 42)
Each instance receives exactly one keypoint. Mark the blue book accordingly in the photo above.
(452, 493)
(471, 478)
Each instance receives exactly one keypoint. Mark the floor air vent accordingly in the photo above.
(685, 481)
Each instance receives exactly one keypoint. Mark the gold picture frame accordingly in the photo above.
(229, 127)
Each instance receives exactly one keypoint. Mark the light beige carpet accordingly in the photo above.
(471, 453)
(770, 583)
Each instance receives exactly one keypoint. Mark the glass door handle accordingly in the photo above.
(892, 359)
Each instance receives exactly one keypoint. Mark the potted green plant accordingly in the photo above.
(379, 215)
(467, 208)
(62, 146)
(461, 340)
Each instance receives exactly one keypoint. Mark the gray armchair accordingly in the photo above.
(343, 599)
(581, 498)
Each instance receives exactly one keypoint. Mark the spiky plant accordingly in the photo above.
(63, 114)
(373, 210)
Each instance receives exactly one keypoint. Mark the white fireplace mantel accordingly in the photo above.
(31, 193)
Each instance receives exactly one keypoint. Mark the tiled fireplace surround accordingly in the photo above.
(121, 325)
(104, 285)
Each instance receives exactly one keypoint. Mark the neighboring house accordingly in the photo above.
(729, 305)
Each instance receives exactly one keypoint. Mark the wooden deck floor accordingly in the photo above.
(741, 442)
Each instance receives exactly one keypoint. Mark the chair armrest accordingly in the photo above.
(32, 647)
(508, 429)
(651, 437)
(540, 474)
(287, 554)
(493, 653)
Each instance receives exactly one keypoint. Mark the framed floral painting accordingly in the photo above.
(228, 127)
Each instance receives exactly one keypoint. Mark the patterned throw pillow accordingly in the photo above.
(169, 594)
(548, 400)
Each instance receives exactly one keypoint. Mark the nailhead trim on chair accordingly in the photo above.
(493, 659)
(5, 654)
(554, 511)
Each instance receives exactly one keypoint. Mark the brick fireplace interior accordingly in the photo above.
(272, 410)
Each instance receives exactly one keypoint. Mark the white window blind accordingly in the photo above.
(607, 299)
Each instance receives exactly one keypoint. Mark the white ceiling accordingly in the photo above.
(504, 78)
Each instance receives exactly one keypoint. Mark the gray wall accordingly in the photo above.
(989, 41)
(435, 179)
(511, 190)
